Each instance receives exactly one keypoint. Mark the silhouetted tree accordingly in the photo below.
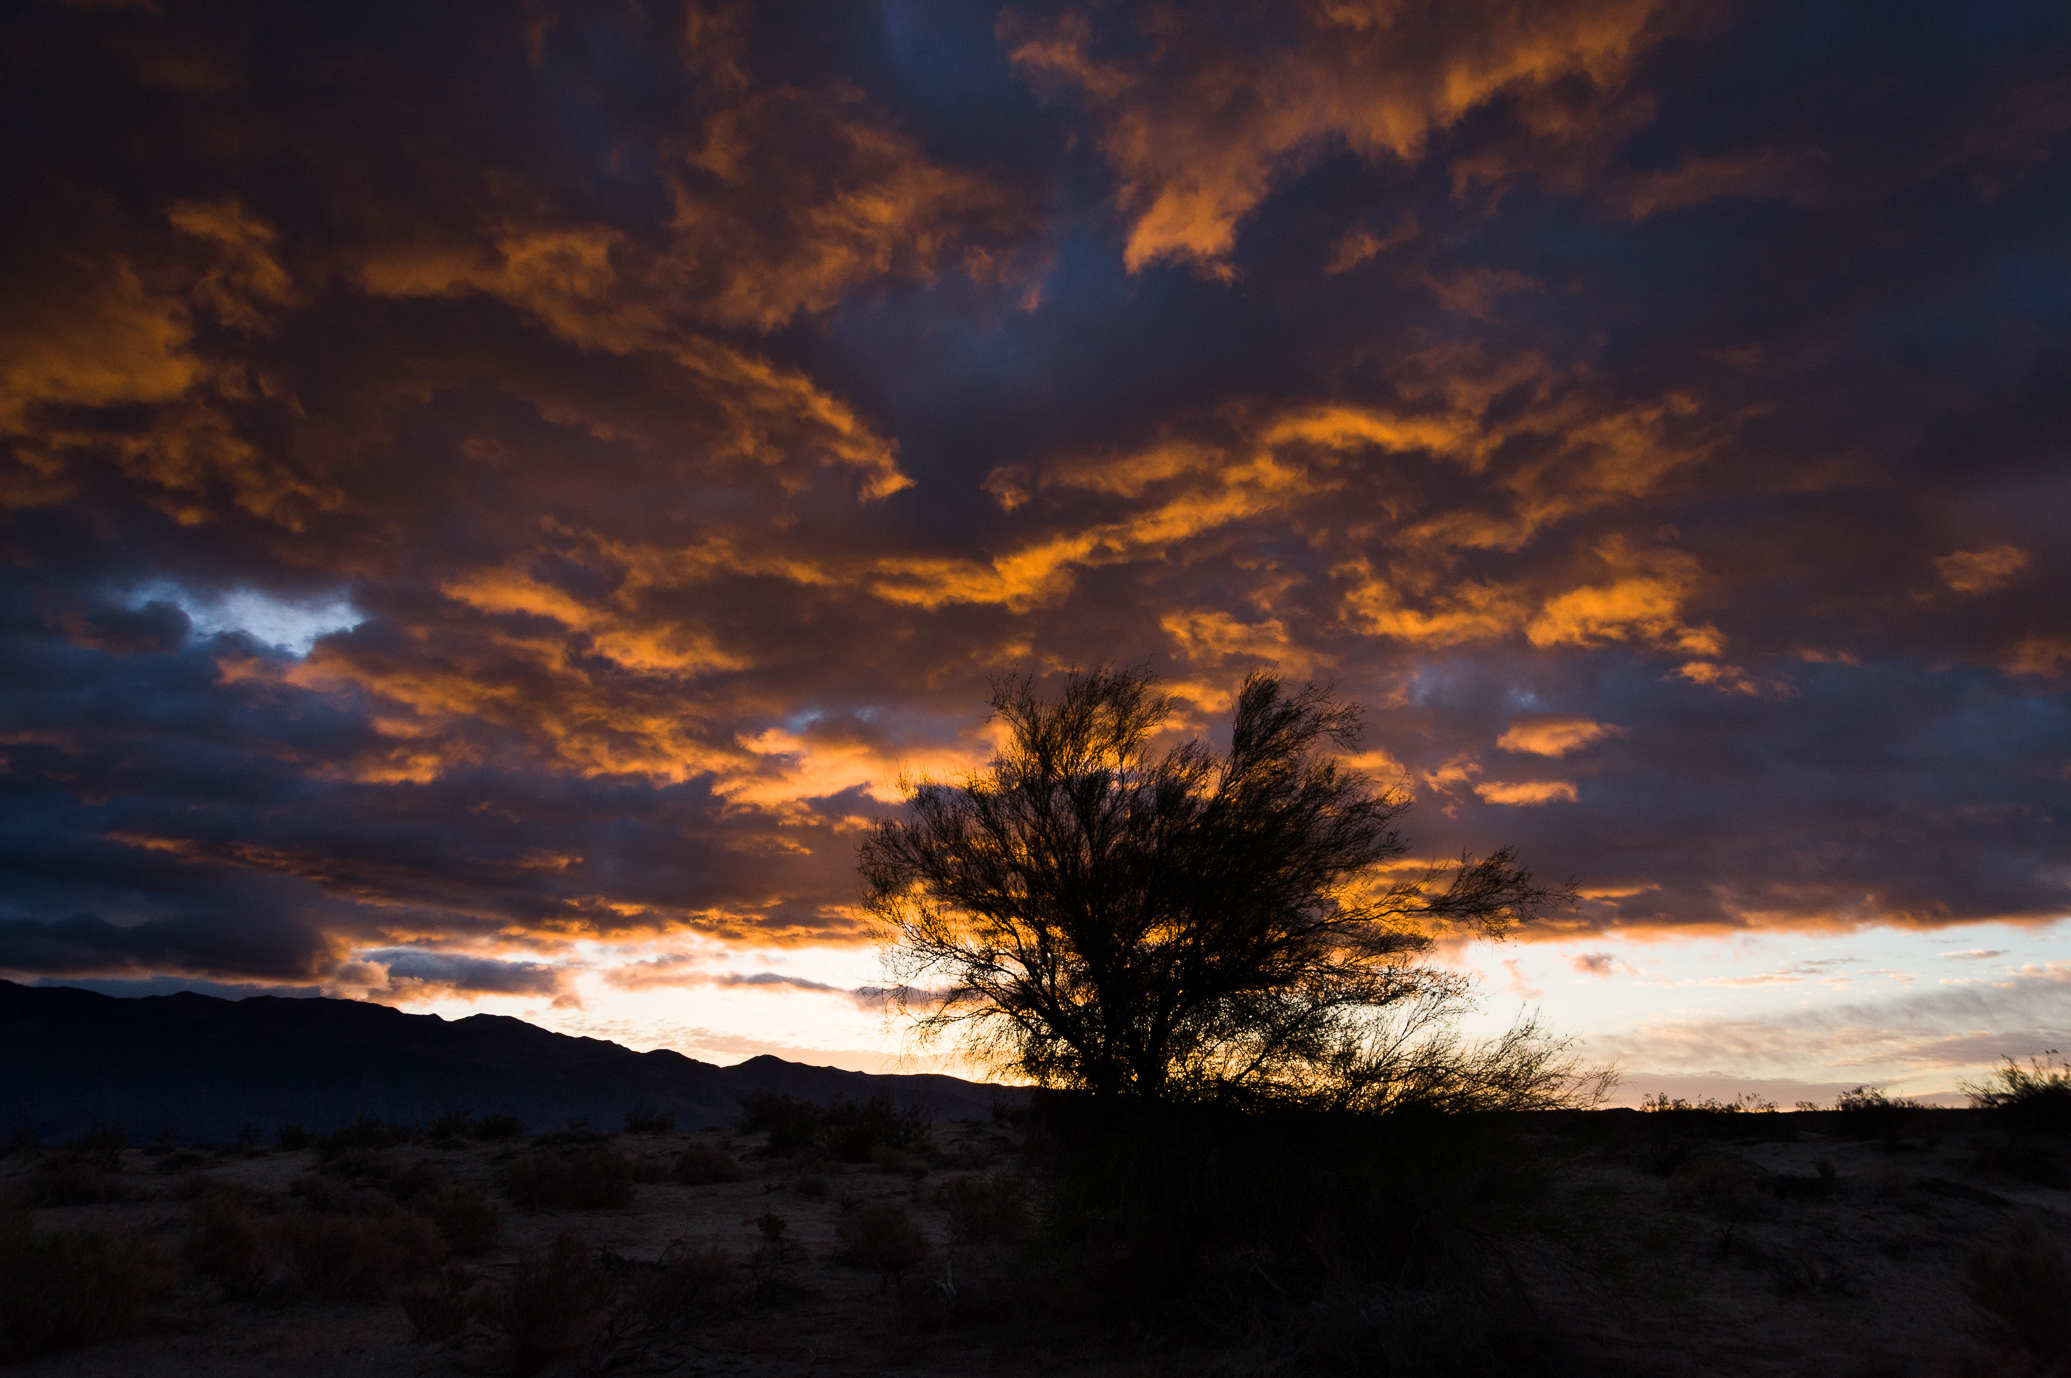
(1187, 925)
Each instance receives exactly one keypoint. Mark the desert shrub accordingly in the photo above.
(2035, 1099)
(364, 1168)
(1747, 1103)
(363, 1133)
(497, 1129)
(2025, 1160)
(357, 1257)
(651, 1168)
(1721, 1185)
(103, 1143)
(883, 1238)
(23, 1140)
(441, 1308)
(686, 1282)
(60, 1288)
(1142, 1204)
(591, 1178)
(855, 1130)
(468, 1219)
(889, 1159)
(702, 1164)
(985, 1210)
(643, 1119)
(295, 1138)
(1868, 1112)
(551, 1302)
(226, 1243)
(71, 1180)
(2023, 1289)
(790, 1123)
(231, 1241)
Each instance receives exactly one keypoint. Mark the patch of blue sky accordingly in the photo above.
(293, 625)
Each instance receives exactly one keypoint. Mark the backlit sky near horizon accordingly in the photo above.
(494, 497)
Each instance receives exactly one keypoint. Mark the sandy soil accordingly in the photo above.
(1743, 1259)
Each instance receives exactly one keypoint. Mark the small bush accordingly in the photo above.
(551, 1302)
(497, 1129)
(589, 1179)
(442, 1308)
(790, 1123)
(75, 1181)
(363, 1133)
(703, 1164)
(2024, 1290)
(686, 1282)
(2035, 1099)
(336, 1256)
(226, 1244)
(1719, 1186)
(883, 1238)
(854, 1132)
(60, 1288)
(1868, 1112)
(294, 1138)
(357, 1258)
(889, 1159)
(468, 1219)
(103, 1143)
(1748, 1103)
(643, 1119)
(987, 1210)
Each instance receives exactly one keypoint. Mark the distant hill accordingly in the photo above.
(200, 1067)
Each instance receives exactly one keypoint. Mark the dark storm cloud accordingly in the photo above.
(1654, 412)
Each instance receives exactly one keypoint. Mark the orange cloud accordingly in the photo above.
(1526, 793)
(1205, 126)
(1555, 736)
(1644, 605)
(1982, 571)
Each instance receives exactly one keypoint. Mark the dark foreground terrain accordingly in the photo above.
(863, 1241)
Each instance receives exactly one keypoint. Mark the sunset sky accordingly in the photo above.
(495, 495)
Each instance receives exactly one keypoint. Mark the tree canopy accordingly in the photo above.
(1091, 912)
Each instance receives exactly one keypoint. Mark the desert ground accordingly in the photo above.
(1665, 1244)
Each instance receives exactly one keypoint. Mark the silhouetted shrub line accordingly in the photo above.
(588, 1178)
(60, 1288)
(847, 1131)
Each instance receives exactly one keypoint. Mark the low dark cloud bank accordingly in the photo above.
(477, 477)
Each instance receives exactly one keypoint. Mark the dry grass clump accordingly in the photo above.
(470, 1221)
(591, 1178)
(2034, 1099)
(849, 1131)
(74, 1179)
(883, 1238)
(992, 1209)
(685, 1283)
(705, 1164)
(552, 1303)
(642, 1119)
(2023, 1290)
(69, 1287)
(442, 1308)
(249, 1245)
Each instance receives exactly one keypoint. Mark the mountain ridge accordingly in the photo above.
(198, 1068)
